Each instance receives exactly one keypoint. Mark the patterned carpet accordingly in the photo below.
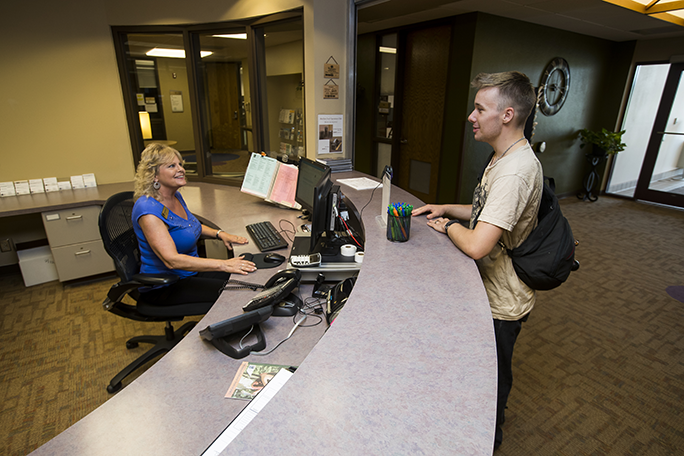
(598, 368)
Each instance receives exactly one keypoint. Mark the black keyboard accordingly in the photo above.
(265, 236)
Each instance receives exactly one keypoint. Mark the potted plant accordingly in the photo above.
(603, 143)
(609, 142)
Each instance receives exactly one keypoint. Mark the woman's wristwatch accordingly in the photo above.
(217, 234)
(448, 224)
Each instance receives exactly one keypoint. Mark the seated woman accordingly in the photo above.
(168, 233)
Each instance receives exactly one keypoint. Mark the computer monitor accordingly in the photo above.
(322, 213)
(310, 174)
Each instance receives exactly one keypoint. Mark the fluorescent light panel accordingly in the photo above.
(666, 10)
(388, 50)
(235, 36)
(173, 53)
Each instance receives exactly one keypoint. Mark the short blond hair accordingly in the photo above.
(515, 90)
(154, 156)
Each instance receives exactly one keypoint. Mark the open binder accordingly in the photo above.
(272, 180)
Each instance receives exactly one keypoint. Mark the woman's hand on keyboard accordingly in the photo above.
(230, 239)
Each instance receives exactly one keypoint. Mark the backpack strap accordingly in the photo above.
(479, 177)
(552, 183)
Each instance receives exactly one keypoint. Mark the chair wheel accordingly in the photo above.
(130, 345)
(113, 389)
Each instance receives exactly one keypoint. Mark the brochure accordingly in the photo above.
(272, 180)
(251, 378)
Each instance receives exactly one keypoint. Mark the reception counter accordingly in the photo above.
(408, 367)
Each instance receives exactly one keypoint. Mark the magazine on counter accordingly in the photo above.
(251, 378)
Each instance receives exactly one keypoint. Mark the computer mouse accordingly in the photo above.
(274, 258)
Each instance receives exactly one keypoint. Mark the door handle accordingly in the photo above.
(403, 141)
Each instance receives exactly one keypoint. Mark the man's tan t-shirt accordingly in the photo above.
(508, 196)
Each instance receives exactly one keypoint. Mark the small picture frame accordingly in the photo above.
(331, 71)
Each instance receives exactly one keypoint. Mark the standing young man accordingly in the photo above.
(504, 209)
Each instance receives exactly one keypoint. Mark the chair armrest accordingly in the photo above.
(150, 280)
(118, 291)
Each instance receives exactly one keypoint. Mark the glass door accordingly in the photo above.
(385, 103)
(661, 178)
(225, 100)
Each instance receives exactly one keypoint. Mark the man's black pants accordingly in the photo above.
(506, 333)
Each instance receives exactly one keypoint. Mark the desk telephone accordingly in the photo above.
(257, 310)
(277, 288)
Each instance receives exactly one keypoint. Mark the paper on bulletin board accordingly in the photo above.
(176, 101)
(330, 128)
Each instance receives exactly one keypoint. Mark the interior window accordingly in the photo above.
(158, 81)
(193, 88)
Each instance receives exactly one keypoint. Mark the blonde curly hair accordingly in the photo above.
(154, 156)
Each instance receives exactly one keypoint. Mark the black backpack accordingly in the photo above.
(545, 259)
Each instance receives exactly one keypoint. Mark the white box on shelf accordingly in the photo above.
(37, 265)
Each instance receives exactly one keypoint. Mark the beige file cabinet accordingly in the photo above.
(75, 242)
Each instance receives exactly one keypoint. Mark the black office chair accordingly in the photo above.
(121, 243)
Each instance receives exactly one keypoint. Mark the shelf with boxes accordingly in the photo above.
(291, 132)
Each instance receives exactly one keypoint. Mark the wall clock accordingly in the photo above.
(555, 84)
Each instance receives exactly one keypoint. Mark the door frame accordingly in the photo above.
(642, 191)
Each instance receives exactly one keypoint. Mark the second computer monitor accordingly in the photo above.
(310, 174)
(314, 185)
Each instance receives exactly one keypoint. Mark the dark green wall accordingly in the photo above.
(598, 73)
(484, 43)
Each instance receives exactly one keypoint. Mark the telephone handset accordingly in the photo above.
(276, 289)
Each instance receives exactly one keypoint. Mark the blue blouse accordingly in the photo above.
(185, 234)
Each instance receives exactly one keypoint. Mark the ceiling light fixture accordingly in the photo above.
(235, 36)
(666, 10)
(388, 50)
(173, 53)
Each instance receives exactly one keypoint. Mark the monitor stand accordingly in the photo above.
(334, 267)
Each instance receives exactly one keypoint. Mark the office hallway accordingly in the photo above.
(598, 368)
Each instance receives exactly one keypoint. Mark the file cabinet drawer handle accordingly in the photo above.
(74, 217)
(82, 252)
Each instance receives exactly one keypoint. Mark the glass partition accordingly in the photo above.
(158, 80)
(216, 92)
(226, 102)
(283, 50)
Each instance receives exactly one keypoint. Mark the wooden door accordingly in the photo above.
(223, 92)
(425, 72)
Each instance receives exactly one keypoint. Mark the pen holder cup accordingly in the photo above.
(398, 228)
